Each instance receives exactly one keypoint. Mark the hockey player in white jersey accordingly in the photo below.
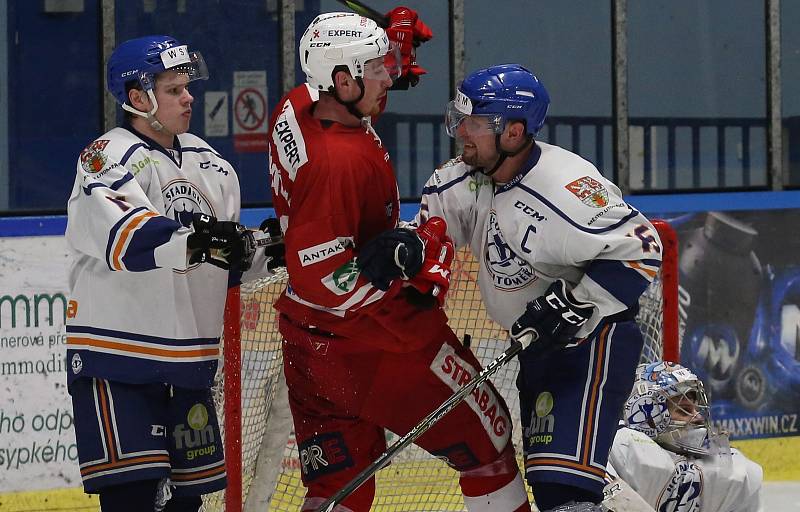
(153, 229)
(563, 261)
(670, 454)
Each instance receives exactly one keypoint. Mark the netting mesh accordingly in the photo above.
(651, 321)
(414, 481)
(261, 362)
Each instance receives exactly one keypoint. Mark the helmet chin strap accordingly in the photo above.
(151, 116)
(351, 105)
(505, 154)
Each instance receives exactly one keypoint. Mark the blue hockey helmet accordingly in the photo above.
(143, 58)
(500, 93)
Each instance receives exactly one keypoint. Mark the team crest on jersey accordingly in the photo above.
(508, 271)
(182, 199)
(682, 492)
(590, 191)
(92, 157)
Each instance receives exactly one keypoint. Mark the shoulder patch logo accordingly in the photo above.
(590, 191)
(92, 157)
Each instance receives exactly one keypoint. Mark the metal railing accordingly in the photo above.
(667, 154)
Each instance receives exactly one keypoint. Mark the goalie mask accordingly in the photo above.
(669, 405)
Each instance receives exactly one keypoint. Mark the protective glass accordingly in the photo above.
(388, 66)
(472, 124)
(193, 66)
(195, 69)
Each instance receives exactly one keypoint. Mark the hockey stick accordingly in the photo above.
(421, 427)
(262, 239)
(618, 496)
(368, 12)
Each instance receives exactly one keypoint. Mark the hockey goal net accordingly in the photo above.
(262, 458)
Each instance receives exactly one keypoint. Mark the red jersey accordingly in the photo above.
(334, 189)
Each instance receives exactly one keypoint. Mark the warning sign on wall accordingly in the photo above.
(216, 114)
(250, 111)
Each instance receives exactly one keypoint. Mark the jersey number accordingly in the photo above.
(683, 500)
(649, 243)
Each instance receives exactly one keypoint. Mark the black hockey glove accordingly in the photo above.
(225, 244)
(397, 253)
(276, 252)
(551, 321)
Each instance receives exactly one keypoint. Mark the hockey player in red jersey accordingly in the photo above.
(367, 346)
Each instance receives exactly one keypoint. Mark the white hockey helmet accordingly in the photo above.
(343, 39)
(669, 404)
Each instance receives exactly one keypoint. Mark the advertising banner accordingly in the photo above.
(37, 441)
(740, 316)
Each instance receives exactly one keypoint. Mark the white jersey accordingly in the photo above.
(138, 312)
(675, 483)
(558, 218)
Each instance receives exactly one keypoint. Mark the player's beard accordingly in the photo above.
(470, 155)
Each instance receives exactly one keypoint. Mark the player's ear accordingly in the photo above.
(138, 99)
(344, 83)
(515, 131)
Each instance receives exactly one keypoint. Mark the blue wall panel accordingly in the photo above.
(56, 74)
(54, 99)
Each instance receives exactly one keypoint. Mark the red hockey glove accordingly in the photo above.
(433, 279)
(407, 31)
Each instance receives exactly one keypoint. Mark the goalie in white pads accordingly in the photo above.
(563, 261)
(669, 453)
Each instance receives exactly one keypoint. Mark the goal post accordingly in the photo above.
(260, 450)
(232, 403)
(669, 277)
